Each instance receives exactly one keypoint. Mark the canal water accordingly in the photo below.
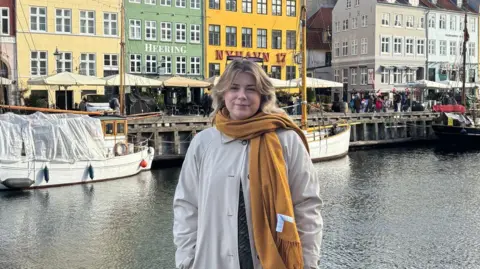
(384, 208)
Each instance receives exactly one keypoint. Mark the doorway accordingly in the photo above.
(60, 99)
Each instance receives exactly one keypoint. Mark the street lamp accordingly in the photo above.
(57, 59)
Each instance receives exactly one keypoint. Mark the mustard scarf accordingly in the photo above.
(269, 190)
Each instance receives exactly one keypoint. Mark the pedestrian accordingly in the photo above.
(247, 195)
(206, 104)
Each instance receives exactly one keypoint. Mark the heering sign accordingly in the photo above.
(165, 49)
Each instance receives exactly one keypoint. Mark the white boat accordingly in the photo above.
(325, 145)
(47, 150)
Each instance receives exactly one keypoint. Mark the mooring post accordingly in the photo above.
(365, 133)
(376, 131)
(176, 142)
(354, 132)
(424, 123)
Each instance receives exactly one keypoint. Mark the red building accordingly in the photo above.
(8, 62)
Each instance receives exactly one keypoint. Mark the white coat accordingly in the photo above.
(206, 201)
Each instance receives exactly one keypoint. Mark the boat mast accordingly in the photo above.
(121, 88)
(464, 49)
(303, 50)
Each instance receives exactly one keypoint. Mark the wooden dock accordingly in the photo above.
(171, 135)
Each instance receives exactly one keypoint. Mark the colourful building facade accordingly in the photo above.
(269, 30)
(164, 38)
(8, 61)
(87, 35)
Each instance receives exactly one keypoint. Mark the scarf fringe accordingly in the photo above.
(290, 251)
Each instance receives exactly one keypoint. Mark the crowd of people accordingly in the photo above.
(372, 103)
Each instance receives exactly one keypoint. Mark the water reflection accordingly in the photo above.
(395, 208)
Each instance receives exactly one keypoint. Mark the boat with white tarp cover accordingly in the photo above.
(46, 150)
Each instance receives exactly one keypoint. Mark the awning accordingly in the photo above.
(185, 82)
(67, 79)
(132, 80)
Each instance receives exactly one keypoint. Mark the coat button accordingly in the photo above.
(244, 142)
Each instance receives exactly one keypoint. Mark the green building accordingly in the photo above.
(164, 38)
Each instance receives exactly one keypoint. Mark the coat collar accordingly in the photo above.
(226, 139)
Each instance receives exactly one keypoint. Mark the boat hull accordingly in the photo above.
(329, 148)
(61, 174)
(457, 135)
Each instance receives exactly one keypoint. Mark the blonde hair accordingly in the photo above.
(268, 103)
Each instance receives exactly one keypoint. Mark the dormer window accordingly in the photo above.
(459, 3)
(413, 2)
(433, 2)
(391, 1)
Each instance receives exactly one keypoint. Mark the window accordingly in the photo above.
(472, 23)
(421, 23)
(181, 63)
(214, 4)
(213, 70)
(453, 22)
(166, 65)
(349, 3)
(443, 47)
(291, 39)
(410, 75)
(246, 37)
(471, 75)
(165, 31)
(364, 20)
(231, 36)
(385, 41)
(150, 30)
(397, 76)
(247, 6)
(442, 23)
(354, 23)
(431, 47)
(150, 64)
(431, 21)
(345, 48)
(397, 45)
(87, 64)
(134, 1)
(63, 20)
(38, 63)
(110, 24)
(421, 46)
(460, 48)
(410, 22)
(385, 76)
(231, 5)
(354, 47)
(214, 35)
(195, 65)
(337, 75)
(345, 25)
(363, 76)
(5, 21)
(291, 8)
(135, 63)
(195, 4)
(165, 2)
(337, 27)
(135, 29)
(398, 20)
(357, 3)
(291, 72)
(453, 48)
(181, 3)
(180, 32)
(262, 6)
(353, 76)
(345, 76)
(276, 72)
(409, 45)
(385, 19)
(262, 38)
(194, 33)
(110, 62)
(151, 2)
(38, 19)
(277, 7)
(471, 49)
(276, 39)
(87, 22)
(65, 62)
(336, 47)
(364, 46)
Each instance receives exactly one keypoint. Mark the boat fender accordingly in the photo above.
(120, 149)
(90, 171)
(46, 174)
(17, 183)
(143, 164)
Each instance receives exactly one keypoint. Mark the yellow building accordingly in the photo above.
(86, 33)
(266, 29)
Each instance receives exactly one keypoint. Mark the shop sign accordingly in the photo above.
(165, 49)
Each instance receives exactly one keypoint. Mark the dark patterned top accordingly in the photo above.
(244, 250)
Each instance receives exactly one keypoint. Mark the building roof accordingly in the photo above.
(447, 5)
(317, 24)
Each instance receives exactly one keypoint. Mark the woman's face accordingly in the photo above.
(242, 99)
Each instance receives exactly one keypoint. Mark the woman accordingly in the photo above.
(248, 195)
